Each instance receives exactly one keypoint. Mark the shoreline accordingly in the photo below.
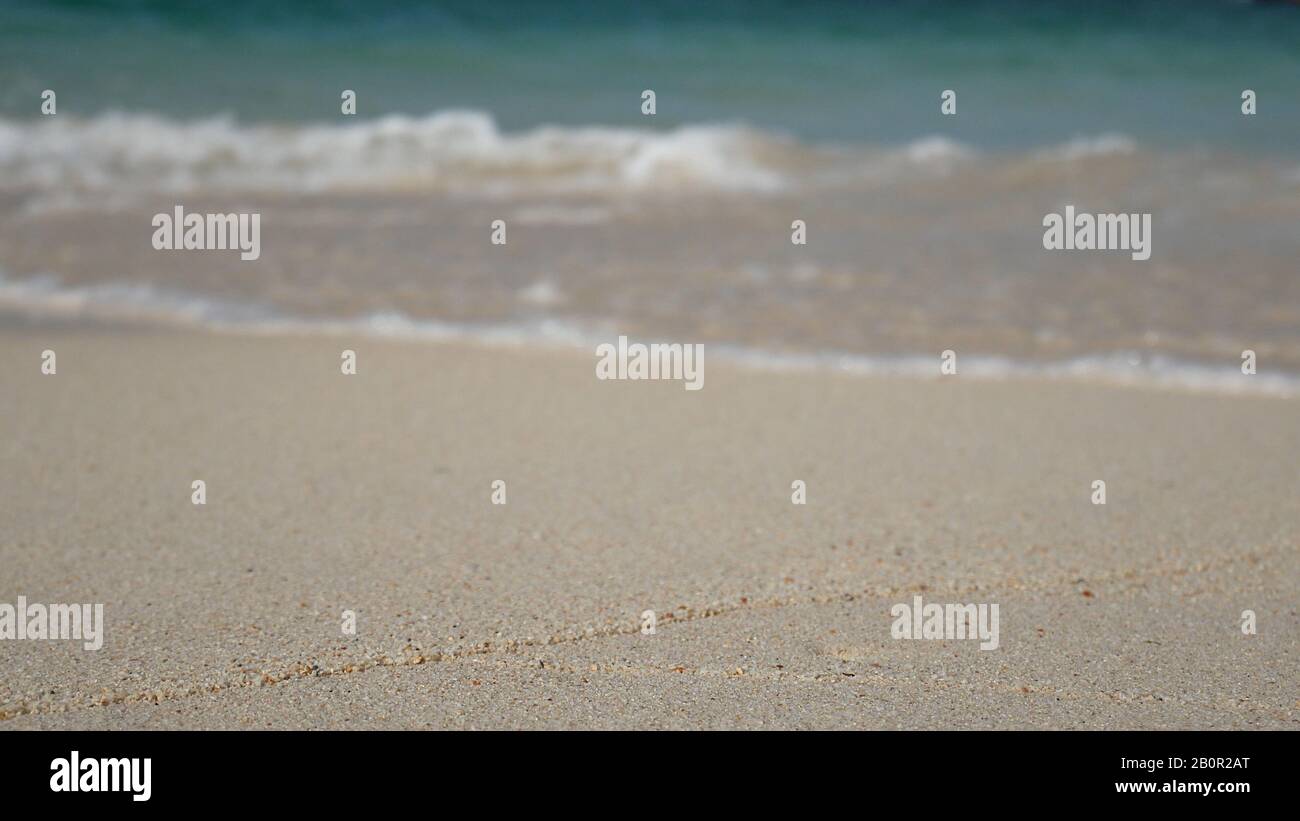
(1119, 369)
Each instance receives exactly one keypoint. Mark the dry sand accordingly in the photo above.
(371, 493)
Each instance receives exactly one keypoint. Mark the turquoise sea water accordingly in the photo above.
(1026, 73)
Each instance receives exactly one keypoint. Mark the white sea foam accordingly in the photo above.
(935, 149)
(44, 298)
(1082, 148)
(107, 158)
(543, 292)
(446, 150)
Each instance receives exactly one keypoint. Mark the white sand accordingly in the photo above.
(371, 493)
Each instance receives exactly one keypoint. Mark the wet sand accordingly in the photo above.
(372, 493)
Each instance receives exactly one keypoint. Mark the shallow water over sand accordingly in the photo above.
(911, 249)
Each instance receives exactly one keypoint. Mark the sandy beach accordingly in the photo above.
(371, 493)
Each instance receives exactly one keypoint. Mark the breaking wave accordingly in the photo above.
(118, 154)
